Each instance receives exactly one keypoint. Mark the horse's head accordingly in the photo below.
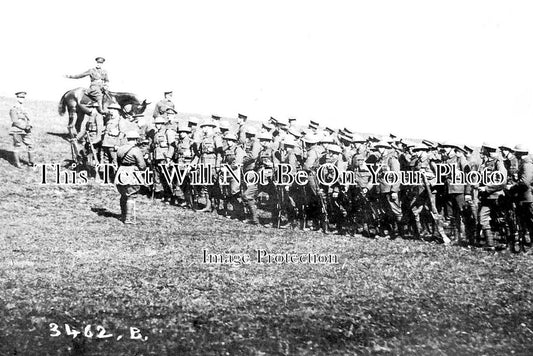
(139, 108)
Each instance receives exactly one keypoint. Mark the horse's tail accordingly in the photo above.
(62, 107)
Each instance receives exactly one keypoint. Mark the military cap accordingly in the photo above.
(272, 120)
(160, 120)
(448, 144)
(489, 146)
(230, 136)
(241, 116)
(393, 136)
(171, 110)
(21, 94)
(313, 124)
(264, 136)
(215, 117)
(251, 131)
(289, 142)
(99, 59)
(208, 123)
(267, 126)
(167, 92)
(408, 144)
(291, 119)
(334, 148)
(382, 143)
(345, 137)
(294, 132)
(310, 139)
(348, 131)
(329, 129)
(224, 125)
(182, 127)
(130, 135)
(193, 120)
(429, 143)
(520, 149)
(114, 106)
(281, 122)
(506, 146)
(420, 147)
(358, 138)
(468, 149)
(373, 139)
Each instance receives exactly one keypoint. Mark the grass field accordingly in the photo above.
(66, 259)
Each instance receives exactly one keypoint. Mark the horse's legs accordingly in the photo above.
(72, 134)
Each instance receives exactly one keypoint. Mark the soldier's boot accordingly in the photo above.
(489, 239)
(254, 219)
(131, 219)
(208, 205)
(100, 107)
(418, 229)
(31, 162)
(16, 159)
(123, 209)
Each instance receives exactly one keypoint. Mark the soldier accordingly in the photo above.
(184, 158)
(424, 194)
(241, 131)
(294, 203)
(313, 157)
(233, 157)
(130, 159)
(454, 194)
(363, 211)
(162, 152)
(209, 153)
(90, 135)
(387, 159)
(263, 165)
(21, 129)
(489, 194)
(99, 83)
(471, 198)
(508, 200)
(113, 132)
(163, 105)
(524, 191)
(313, 126)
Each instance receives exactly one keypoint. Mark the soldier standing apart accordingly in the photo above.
(99, 83)
(114, 130)
(489, 194)
(21, 129)
(130, 159)
(184, 159)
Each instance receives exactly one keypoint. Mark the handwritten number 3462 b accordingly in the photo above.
(135, 333)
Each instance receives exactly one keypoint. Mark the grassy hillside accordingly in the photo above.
(66, 259)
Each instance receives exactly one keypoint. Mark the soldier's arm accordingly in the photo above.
(21, 124)
(239, 157)
(310, 161)
(79, 76)
(525, 177)
(256, 148)
(99, 127)
(496, 187)
(139, 159)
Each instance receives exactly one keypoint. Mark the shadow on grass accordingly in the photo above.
(64, 135)
(7, 155)
(106, 213)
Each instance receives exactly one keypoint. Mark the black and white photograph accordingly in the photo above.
(266, 178)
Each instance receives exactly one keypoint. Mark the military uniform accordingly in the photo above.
(388, 194)
(90, 135)
(99, 82)
(184, 159)
(21, 131)
(161, 108)
(489, 195)
(209, 151)
(162, 152)
(130, 159)
(113, 133)
(524, 199)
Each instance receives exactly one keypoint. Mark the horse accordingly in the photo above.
(75, 101)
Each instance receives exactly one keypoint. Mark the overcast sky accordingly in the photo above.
(458, 70)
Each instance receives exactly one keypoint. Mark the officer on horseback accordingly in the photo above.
(99, 81)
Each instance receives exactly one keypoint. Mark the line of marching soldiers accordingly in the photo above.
(494, 216)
